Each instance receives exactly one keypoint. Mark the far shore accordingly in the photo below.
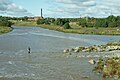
(74, 28)
(91, 31)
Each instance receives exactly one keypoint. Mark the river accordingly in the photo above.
(46, 61)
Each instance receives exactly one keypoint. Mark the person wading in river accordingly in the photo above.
(29, 50)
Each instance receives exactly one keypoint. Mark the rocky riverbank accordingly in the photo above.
(107, 65)
(114, 46)
(108, 68)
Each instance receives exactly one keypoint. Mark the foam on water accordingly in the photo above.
(86, 40)
(18, 34)
(10, 62)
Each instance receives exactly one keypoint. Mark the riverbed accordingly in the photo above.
(47, 60)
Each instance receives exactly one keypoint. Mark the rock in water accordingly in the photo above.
(10, 62)
(92, 61)
(85, 76)
(66, 50)
(76, 51)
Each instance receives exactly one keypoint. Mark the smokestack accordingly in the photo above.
(41, 12)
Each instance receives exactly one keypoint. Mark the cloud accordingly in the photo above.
(92, 8)
(14, 8)
(7, 7)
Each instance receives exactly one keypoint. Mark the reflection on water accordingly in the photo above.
(46, 62)
(29, 60)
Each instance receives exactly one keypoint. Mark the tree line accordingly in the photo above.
(110, 21)
(59, 21)
(4, 22)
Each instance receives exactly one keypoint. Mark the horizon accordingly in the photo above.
(57, 17)
(60, 8)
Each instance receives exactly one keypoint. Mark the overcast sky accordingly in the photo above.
(60, 8)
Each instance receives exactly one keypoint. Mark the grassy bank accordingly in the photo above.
(74, 28)
(24, 23)
(79, 30)
(5, 29)
(109, 67)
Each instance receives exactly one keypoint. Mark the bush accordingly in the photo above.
(6, 23)
(40, 21)
(60, 21)
(66, 25)
(43, 21)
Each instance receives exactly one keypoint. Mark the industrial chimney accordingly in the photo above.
(41, 13)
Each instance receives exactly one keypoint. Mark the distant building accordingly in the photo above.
(36, 18)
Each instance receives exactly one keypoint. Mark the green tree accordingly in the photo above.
(5, 22)
(83, 23)
(90, 24)
(112, 24)
(40, 21)
(118, 23)
(104, 24)
(112, 18)
(66, 25)
(97, 23)
(61, 21)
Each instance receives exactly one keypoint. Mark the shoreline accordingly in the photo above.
(91, 31)
(108, 58)
(109, 47)
(4, 30)
(75, 29)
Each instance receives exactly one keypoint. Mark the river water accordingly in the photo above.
(46, 61)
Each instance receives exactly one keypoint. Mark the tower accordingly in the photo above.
(41, 13)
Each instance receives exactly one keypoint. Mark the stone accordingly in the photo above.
(85, 76)
(66, 50)
(92, 61)
(118, 29)
(76, 51)
(77, 48)
(71, 50)
(83, 50)
(94, 48)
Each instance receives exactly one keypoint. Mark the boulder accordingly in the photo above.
(71, 50)
(85, 77)
(92, 61)
(81, 48)
(76, 50)
(66, 50)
